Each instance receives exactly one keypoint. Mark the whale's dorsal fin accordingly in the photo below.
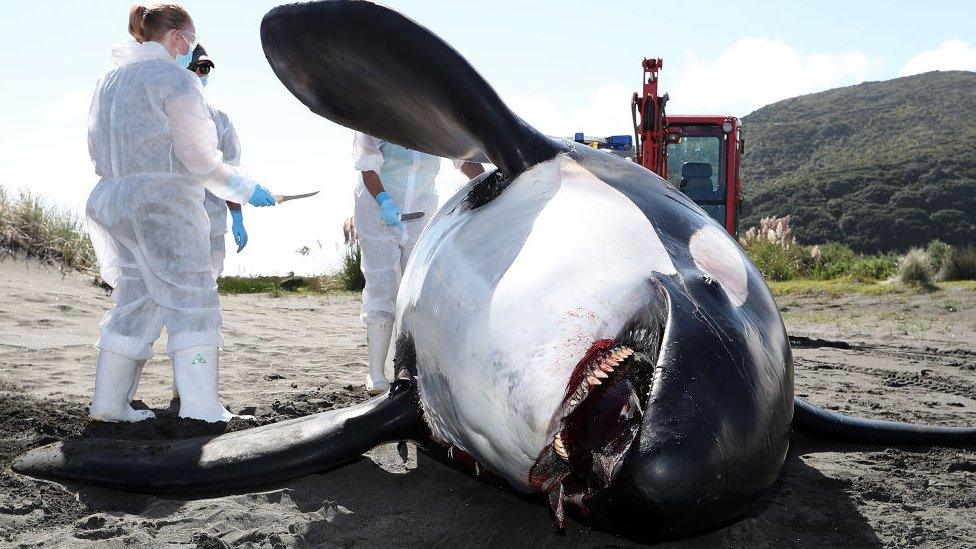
(371, 69)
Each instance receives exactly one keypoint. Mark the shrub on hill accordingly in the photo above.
(914, 270)
(775, 252)
(959, 264)
(773, 249)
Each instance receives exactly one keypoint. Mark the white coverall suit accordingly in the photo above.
(154, 146)
(408, 177)
(229, 144)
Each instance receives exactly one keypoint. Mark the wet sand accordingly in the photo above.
(909, 357)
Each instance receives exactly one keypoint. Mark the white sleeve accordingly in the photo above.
(227, 140)
(366, 153)
(195, 144)
(93, 122)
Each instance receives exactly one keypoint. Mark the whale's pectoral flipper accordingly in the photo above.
(372, 69)
(252, 457)
(817, 421)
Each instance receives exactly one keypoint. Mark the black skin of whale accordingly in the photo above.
(718, 430)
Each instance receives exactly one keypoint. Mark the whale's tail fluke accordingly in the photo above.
(817, 421)
(253, 457)
(371, 69)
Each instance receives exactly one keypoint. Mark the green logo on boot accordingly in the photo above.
(199, 359)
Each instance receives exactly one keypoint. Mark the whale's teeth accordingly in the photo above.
(559, 447)
(606, 367)
(600, 373)
(635, 402)
(622, 354)
(592, 380)
(575, 401)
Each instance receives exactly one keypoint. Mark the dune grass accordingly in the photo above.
(350, 274)
(248, 284)
(914, 269)
(348, 278)
(31, 226)
(842, 286)
(835, 287)
(959, 284)
(277, 286)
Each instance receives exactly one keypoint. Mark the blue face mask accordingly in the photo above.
(184, 60)
(203, 80)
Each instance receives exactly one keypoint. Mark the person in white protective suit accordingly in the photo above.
(154, 147)
(394, 180)
(230, 145)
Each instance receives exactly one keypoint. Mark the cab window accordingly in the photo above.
(694, 167)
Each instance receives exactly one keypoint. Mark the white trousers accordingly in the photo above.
(385, 253)
(191, 315)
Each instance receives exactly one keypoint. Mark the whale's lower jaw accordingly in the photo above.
(601, 415)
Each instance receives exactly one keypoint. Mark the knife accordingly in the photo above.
(279, 198)
(411, 216)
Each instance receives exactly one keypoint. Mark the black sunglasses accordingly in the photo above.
(202, 69)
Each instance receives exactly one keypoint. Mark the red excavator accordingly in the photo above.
(700, 155)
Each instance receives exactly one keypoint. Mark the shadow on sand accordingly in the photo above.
(404, 497)
(407, 498)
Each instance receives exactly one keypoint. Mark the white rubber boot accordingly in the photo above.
(195, 371)
(131, 393)
(378, 335)
(176, 393)
(115, 376)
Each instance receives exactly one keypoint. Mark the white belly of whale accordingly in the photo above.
(502, 303)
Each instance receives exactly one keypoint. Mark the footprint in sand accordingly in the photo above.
(98, 527)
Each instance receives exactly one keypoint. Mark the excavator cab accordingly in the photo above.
(703, 162)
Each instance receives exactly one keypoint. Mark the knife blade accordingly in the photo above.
(279, 198)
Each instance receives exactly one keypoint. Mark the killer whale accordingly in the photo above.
(638, 334)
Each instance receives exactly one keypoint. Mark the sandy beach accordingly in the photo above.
(906, 356)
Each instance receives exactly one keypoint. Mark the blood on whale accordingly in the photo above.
(581, 370)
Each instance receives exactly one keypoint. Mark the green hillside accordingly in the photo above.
(879, 166)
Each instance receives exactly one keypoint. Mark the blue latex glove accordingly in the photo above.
(389, 211)
(261, 197)
(237, 229)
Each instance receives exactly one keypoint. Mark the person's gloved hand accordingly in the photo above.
(261, 197)
(389, 211)
(237, 229)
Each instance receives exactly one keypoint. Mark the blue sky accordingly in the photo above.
(564, 66)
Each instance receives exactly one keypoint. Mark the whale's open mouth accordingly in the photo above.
(600, 416)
